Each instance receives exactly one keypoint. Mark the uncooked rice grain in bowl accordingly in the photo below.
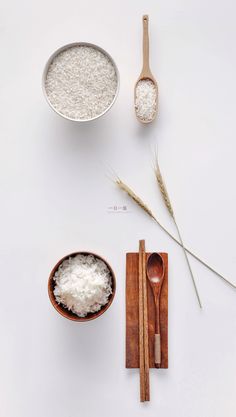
(81, 81)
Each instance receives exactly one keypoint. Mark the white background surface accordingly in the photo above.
(54, 197)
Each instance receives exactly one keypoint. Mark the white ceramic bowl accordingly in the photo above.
(63, 48)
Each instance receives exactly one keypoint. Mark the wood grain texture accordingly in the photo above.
(145, 329)
(141, 322)
(132, 314)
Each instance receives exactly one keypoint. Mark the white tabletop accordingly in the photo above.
(55, 197)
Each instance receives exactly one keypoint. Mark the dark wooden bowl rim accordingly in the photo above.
(64, 311)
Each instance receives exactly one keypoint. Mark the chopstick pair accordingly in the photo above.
(143, 327)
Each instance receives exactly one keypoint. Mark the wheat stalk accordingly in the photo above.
(163, 190)
(134, 197)
(144, 207)
(169, 207)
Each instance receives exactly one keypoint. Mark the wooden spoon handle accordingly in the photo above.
(146, 69)
(157, 349)
(157, 332)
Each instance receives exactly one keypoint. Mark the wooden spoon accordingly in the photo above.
(146, 73)
(155, 274)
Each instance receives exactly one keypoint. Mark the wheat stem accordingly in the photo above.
(140, 202)
(169, 207)
(195, 256)
(189, 266)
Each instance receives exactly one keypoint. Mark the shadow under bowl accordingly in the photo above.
(63, 310)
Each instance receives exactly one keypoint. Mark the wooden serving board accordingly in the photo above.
(132, 314)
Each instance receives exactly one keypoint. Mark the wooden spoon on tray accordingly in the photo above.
(155, 273)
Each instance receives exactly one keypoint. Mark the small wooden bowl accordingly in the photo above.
(63, 310)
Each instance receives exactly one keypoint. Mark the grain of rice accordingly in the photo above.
(146, 100)
(81, 82)
(83, 284)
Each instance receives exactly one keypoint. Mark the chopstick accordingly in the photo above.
(143, 327)
(145, 331)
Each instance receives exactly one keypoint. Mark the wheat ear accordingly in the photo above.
(134, 197)
(169, 207)
(141, 204)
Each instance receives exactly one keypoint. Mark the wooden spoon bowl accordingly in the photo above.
(63, 310)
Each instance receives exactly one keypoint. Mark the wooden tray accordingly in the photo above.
(132, 333)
